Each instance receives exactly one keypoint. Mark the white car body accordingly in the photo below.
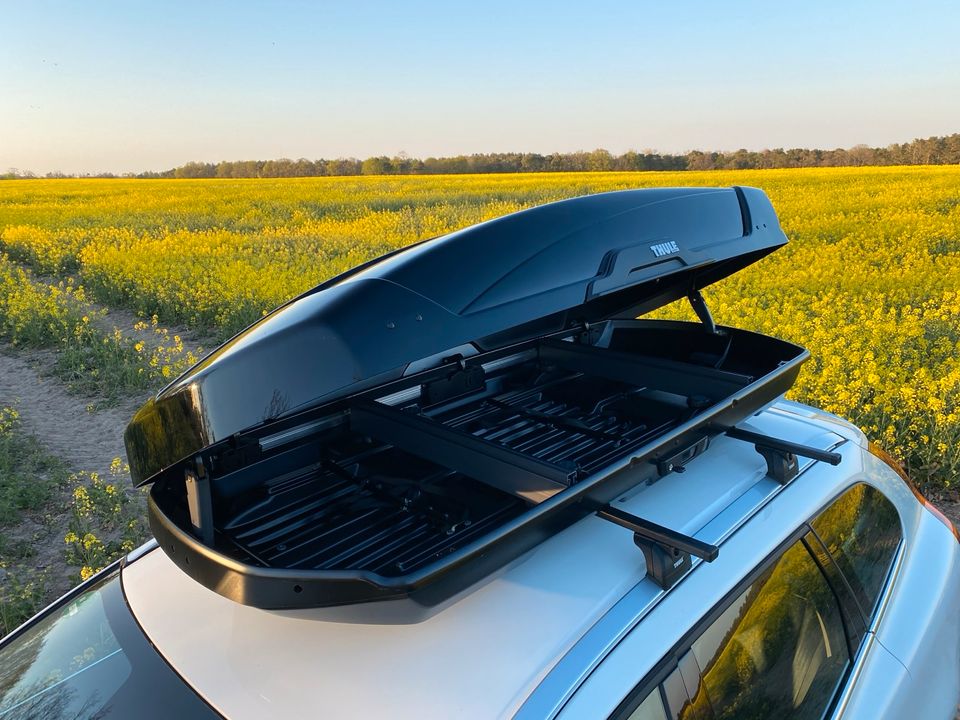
(569, 629)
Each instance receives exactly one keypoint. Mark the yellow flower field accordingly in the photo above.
(870, 282)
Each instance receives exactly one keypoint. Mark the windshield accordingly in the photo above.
(89, 659)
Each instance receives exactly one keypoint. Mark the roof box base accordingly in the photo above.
(423, 488)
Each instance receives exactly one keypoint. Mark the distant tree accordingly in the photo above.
(697, 160)
(920, 151)
(376, 166)
(599, 160)
(196, 170)
(861, 155)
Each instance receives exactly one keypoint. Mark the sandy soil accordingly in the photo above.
(85, 440)
(79, 430)
(949, 504)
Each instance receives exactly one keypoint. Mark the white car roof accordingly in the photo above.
(479, 657)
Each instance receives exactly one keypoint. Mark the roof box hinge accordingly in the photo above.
(666, 552)
(781, 455)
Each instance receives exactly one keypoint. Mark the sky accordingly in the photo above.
(104, 85)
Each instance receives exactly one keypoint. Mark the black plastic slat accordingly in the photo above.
(494, 464)
(555, 444)
(352, 515)
(325, 522)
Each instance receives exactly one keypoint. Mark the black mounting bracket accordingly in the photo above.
(463, 380)
(199, 500)
(703, 312)
(781, 455)
(666, 552)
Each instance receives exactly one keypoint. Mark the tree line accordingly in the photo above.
(927, 151)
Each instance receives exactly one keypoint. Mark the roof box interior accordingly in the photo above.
(323, 458)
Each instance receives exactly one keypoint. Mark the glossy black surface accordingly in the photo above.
(500, 282)
(367, 513)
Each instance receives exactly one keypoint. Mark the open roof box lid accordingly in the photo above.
(411, 426)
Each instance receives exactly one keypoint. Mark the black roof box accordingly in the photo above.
(521, 276)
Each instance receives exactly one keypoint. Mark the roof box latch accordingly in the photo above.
(677, 462)
(781, 455)
(464, 379)
(666, 552)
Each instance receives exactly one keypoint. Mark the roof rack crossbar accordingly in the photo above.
(781, 455)
(666, 552)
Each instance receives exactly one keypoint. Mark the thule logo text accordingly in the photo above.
(667, 248)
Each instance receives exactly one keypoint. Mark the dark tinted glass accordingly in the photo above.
(89, 660)
(778, 651)
(862, 532)
(650, 709)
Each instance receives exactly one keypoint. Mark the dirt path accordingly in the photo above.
(85, 440)
(107, 319)
(60, 420)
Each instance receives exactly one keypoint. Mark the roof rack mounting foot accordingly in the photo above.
(781, 466)
(666, 552)
(781, 455)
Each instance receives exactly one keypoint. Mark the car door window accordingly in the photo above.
(861, 530)
(650, 709)
(778, 650)
(783, 646)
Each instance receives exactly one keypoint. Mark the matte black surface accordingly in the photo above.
(500, 282)
(502, 467)
(761, 440)
(659, 533)
(384, 519)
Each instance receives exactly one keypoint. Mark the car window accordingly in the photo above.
(778, 650)
(861, 530)
(650, 709)
(89, 659)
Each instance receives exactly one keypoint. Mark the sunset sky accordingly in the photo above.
(129, 86)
